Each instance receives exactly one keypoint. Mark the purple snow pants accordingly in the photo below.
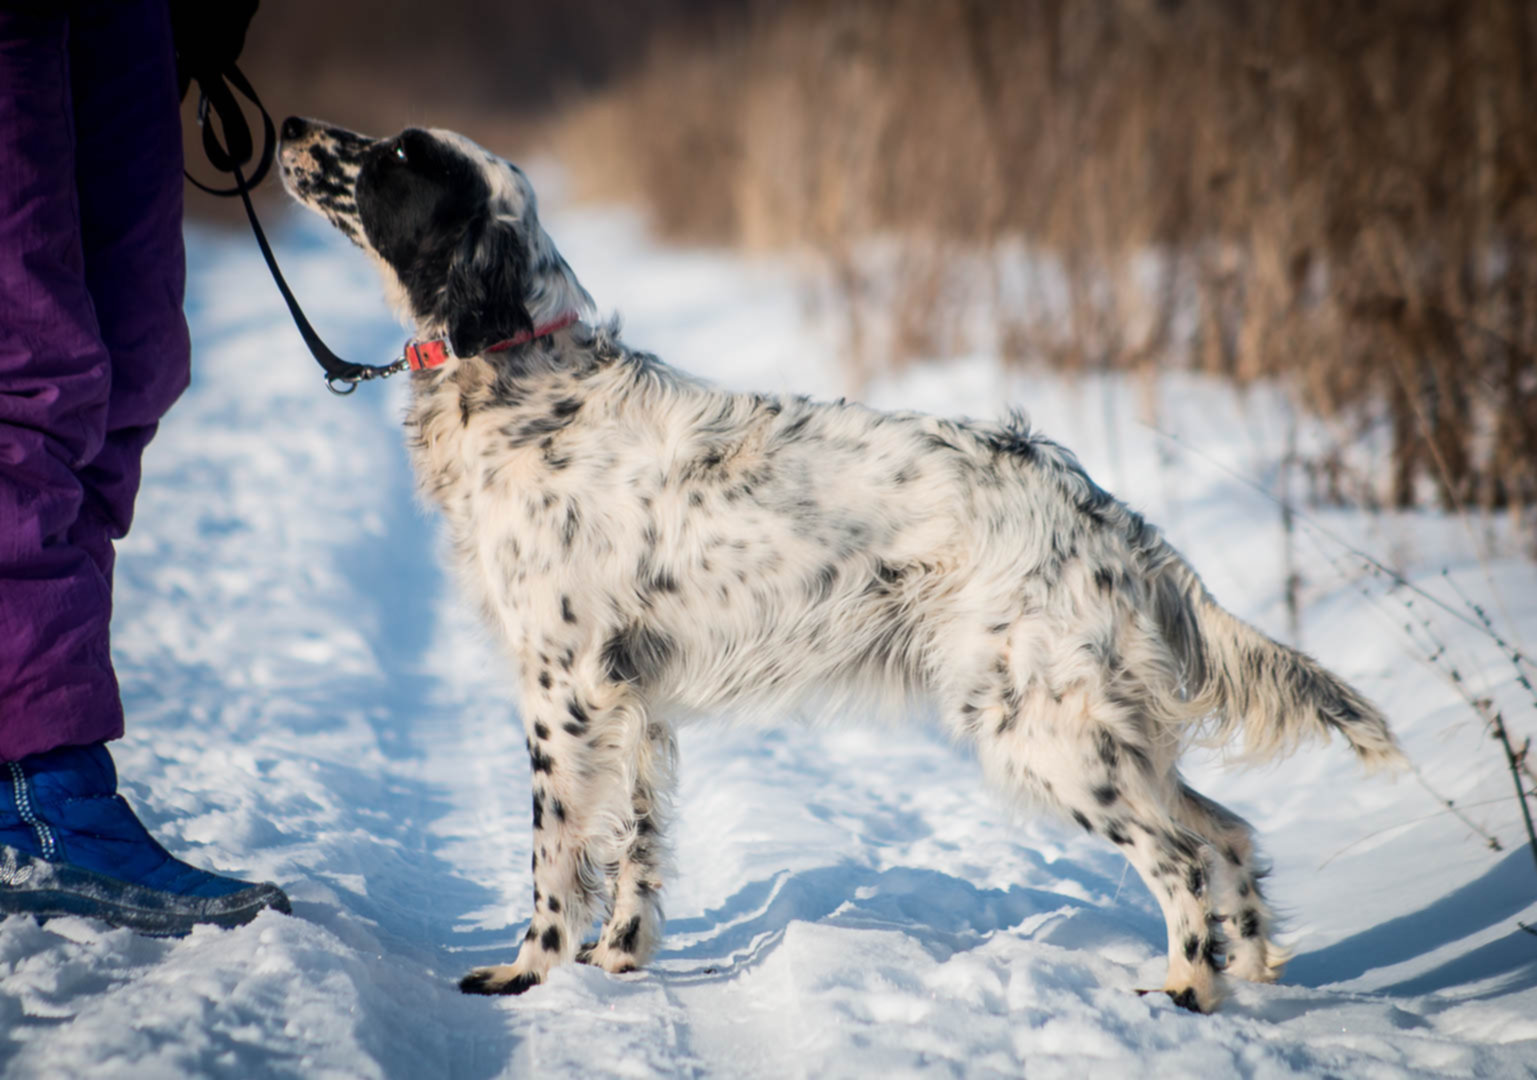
(93, 344)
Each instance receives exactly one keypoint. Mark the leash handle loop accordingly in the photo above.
(238, 146)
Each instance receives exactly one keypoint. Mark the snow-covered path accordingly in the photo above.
(309, 703)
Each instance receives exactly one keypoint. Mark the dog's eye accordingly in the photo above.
(400, 151)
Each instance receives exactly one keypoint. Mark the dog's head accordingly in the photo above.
(454, 228)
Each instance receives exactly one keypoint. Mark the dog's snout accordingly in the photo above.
(293, 128)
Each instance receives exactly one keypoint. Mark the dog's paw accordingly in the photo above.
(501, 979)
(1257, 957)
(1187, 998)
(614, 961)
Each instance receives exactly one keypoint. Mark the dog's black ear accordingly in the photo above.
(483, 298)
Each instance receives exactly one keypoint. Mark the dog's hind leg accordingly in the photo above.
(1121, 795)
(1082, 755)
(1246, 917)
(634, 925)
(579, 732)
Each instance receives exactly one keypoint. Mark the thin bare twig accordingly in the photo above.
(1412, 821)
(1436, 651)
(1518, 657)
(1514, 758)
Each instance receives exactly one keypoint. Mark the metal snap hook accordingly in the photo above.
(332, 383)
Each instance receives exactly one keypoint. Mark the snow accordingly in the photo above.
(310, 703)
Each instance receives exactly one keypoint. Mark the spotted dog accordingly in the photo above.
(648, 547)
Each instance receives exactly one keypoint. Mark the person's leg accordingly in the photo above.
(69, 844)
(56, 682)
(128, 172)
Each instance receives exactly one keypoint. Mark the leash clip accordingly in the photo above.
(336, 383)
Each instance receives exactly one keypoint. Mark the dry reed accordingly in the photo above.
(1341, 195)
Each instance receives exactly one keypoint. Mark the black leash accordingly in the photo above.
(342, 376)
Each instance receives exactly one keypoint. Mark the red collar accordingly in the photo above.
(430, 354)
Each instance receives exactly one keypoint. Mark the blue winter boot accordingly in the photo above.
(70, 845)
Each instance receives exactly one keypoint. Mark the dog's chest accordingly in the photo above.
(499, 470)
(532, 496)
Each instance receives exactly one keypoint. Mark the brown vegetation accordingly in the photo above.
(1338, 194)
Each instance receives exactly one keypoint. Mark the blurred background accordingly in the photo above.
(1336, 196)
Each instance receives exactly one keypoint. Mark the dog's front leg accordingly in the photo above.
(633, 928)
(581, 736)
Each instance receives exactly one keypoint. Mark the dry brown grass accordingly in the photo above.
(1343, 195)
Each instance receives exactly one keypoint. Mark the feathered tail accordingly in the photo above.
(1274, 694)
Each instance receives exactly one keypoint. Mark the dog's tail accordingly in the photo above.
(1241, 680)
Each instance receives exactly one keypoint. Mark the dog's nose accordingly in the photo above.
(293, 127)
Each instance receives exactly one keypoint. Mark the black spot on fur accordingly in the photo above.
(578, 714)
(1116, 835)
(1105, 794)
(539, 761)
(480, 982)
(1105, 579)
(551, 458)
(637, 654)
(1108, 748)
(565, 609)
(544, 679)
(539, 430)
(1196, 880)
(1181, 845)
(625, 939)
(538, 813)
(559, 809)
(1083, 821)
(540, 731)
(1013, 439)
(1248, 925)
(1185, 999)
(1211, 952)
(934, 441)
(1192, 946)
(550, 939)
(554, 905)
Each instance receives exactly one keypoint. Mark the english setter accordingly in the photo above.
(648, 546)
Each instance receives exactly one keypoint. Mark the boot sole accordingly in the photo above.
(33, 886)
